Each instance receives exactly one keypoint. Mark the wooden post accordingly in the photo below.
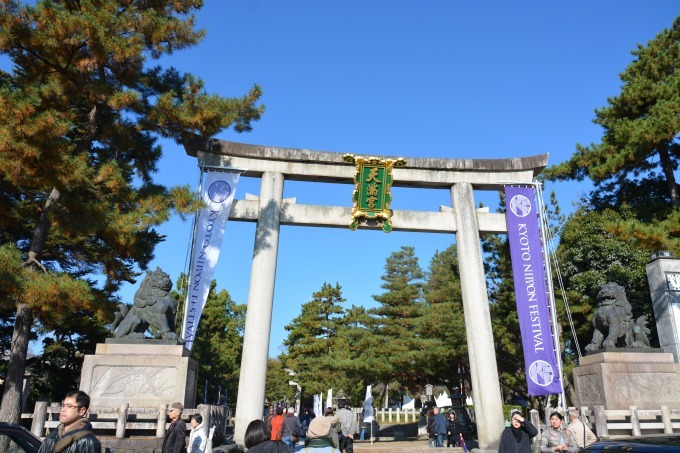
(666, 419)
(584, 416)
(634, 420)
(398, 415)
(533, 415)
(162, 415)
(601, 423)
(204, 410)
(548, 410)
(39, 417)
(55, 408)
(122, 420)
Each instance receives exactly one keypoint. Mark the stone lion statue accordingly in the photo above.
(153, 306)
(613, 321)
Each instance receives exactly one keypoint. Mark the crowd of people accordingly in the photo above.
(441, 427)
(333, 431)
(555, 438)
(282, 429)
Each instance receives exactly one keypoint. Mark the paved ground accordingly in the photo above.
(394, 446)
(412, 446)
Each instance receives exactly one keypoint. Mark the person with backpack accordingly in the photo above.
(291, 429)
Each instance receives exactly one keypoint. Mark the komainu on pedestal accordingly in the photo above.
(613, 321)
(153, 307)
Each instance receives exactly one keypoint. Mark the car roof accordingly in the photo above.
(649, 443)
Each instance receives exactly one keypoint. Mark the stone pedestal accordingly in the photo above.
(143, 373)
(663, 275)
(617, 380)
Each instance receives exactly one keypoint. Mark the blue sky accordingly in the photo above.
(459, 79)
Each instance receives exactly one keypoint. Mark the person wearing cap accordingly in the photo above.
(175, 437)
(257, 439)
(516, 438)
(319, 437)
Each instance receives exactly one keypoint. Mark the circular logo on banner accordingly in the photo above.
(541, 372)
(520, 205)
(219, 191)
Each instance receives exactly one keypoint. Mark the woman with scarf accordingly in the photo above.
(517, 437)
(556, 439)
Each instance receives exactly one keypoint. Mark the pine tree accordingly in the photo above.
(347, 357)
(504, 318)
(218, 343)
(636, 161)
(277, 388)
(57, 369)
(79, 117)
(590, 256)
(444, 321)
(311, 339)
(394, 350)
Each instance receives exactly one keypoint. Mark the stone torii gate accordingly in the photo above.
(461, 176)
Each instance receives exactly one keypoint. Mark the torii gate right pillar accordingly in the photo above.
(483, 368)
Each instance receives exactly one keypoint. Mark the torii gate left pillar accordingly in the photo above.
(460, 176)
(251, 385)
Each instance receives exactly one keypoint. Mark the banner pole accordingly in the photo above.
(551, 294)
(191, 256)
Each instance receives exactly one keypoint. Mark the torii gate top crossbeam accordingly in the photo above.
(324, 166)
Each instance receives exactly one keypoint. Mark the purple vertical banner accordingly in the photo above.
(530, 291)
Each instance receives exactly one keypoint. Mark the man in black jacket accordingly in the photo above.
(74, 433)
(175, 437)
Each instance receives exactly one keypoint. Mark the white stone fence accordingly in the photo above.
(397, 416)
(614, 423)
(390, 415)
(125, 420)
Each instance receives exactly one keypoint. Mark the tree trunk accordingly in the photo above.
(667, 166)
(11, 397)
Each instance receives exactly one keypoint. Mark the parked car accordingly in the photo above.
(657, 443)
(20, 439)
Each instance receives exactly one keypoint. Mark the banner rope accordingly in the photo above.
(190, 251)
(552, 251)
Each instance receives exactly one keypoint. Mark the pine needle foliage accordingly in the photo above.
(312, 340)
(80, 115)
(637, 159)
(395, 349)
(444, 321)
(218, 343)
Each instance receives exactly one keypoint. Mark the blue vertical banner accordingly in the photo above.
(218, 195)
(526, 253)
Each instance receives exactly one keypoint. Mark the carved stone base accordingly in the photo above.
(617, 380)
(143, 375)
